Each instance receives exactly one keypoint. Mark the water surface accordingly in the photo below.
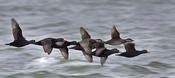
(149, 22)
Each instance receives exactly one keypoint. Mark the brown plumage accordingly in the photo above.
(85, 45)
(115, 38)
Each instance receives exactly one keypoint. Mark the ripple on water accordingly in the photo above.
(160, 65)
(46, 74)
(41, 62)
(133, 70)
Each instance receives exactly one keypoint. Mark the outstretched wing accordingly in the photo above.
(86, 45)
(84, 33)
(103, 60)
(130, 47)
(47, 46)
(88, 56)
(115, 34)
(17, 32)
(64, 52)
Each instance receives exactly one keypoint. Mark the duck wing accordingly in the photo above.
(115, 34)
(103, 60)
(84, 33)
(88, 56)
(47, 46)
(64, 52)
(87, 45)
(130, 47)
(17, 32)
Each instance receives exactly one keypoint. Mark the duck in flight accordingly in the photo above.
(103, 52)
(19, 40)
(131, 51)
(85, 45)
(60, 43)
(116, 39)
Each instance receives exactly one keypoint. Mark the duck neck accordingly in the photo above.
(72, 43)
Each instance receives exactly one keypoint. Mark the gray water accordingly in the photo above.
(151, 23)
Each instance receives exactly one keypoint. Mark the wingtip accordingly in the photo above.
(7, 44)
(82, 29)
(49, 53)
(103, 60)
(84, 33)
(66, 58)
(89, 58)
(114, 27)
(13, 20)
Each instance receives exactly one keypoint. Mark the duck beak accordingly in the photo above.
(147, 51)
(118, 51)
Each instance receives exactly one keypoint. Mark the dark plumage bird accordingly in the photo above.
(131, 51)
(116, 40)
(103, 52)
(19, 40)
(85, 45)
(50, 43)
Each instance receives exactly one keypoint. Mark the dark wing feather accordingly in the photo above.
(47, 46)
(17, 32)
(115, 34)
(86, 45)
(130, 47)
(64, 52)
(103, 60)
(88, 56)
(84, 33)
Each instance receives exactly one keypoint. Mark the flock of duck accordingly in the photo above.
(86, 45)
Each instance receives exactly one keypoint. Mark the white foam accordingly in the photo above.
(41, 62)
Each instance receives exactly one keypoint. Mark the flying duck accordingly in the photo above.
(85, 45)
(131, 51)
(60, 43)
(116, 40)
(19, 40)
(103, 52)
